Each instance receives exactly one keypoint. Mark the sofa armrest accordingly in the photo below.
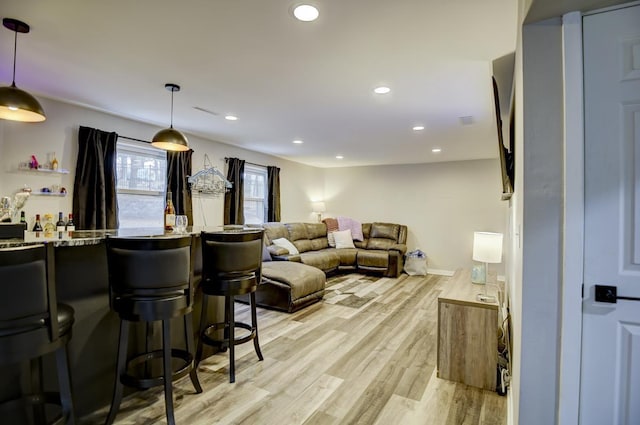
(400, 247)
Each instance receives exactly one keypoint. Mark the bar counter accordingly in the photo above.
(82, 282)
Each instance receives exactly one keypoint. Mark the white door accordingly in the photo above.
(610, 369)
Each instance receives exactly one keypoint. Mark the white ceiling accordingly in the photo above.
(283, 78)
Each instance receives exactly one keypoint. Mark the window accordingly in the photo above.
(255, 194)
(141, 176)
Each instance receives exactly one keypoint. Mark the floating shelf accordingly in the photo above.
(48, 194)
(43, 171)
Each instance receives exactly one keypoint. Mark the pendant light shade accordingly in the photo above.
(16, 104)
(170, 139)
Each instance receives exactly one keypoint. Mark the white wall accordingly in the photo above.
(537, 229)
(441, 203)
(300, 184)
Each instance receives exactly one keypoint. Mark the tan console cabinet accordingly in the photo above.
(467, 333)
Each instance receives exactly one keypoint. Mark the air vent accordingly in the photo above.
(468, 120)
(206, 111)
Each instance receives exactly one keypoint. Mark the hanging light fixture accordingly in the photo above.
(170, 139)
(16, 104)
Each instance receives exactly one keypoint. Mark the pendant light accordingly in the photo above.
(16, 104)
(170, 139)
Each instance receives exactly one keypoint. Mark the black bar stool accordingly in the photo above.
(231, 265)
(33, 324)
(150, 279)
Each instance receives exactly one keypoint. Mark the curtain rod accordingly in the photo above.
(133, 138)
(247, 162)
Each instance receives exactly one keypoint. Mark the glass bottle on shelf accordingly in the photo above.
(169, 213)
(71, 226)
(37, 227)
(23, 219)
(54, 162)
(60, 225)
(49, 227)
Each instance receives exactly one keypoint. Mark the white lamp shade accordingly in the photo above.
(487, 247)
(318, 207)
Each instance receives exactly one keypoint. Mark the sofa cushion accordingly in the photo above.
(347, 256)
(274, 230)
(385, 231)
(380, 243)
(302, 279)
(286, 244)
(373, 259)
(325, 260)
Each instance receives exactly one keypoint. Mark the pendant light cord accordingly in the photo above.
(171, 108)
(15, 48)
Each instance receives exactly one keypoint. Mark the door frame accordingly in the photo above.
(573, 221)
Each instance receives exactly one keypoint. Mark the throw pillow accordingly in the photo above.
(343, 239)
(286, 244)
(332, 226)
(331, 240)
(266, 255)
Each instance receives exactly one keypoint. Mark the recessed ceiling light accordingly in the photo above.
(339, 157)
(381, 90)
(418, 128)
(231, 117)
(436, 150)
(306, 13)
(298, 142)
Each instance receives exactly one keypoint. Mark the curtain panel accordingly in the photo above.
(95, 205)
(273, 197)
(178, 170)
(234, 198)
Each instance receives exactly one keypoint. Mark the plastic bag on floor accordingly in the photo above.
(415, 263)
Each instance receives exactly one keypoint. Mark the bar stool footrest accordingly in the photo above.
(144, 383)
(9, 407)
(224, 342)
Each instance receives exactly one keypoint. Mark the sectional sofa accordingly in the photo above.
(292, 281)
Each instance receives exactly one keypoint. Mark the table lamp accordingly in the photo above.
(318, 208)
(487, 248)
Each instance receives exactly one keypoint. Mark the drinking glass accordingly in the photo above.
(181, 223)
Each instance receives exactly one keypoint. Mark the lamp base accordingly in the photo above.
(478, 274)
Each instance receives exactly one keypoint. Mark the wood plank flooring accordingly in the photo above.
(340, 361)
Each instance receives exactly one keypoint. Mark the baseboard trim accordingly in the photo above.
(441, 272)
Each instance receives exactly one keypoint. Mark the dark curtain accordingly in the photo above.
(95, 205)
(273, 198)
(234, 198)
(178, 170)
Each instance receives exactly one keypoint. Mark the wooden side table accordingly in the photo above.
(468, 333)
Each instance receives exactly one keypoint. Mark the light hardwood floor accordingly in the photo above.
(331, 364)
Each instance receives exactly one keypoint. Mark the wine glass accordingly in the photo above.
(181, 223)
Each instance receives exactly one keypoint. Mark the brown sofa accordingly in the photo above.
(382, 249)
(291, 282)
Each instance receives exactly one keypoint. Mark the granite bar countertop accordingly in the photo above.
(94, 237)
